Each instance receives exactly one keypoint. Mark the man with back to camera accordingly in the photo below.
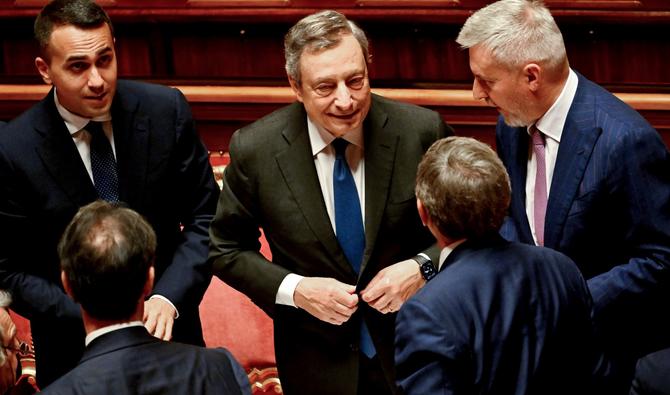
(500, 317)
(330, 180)
(603, 196)
(95, 137)
(107, 254)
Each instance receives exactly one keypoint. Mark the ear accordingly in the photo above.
(297, 90)
(532, 73)
(66, 283)
(423, 213)
(43, 69)
(149, 284)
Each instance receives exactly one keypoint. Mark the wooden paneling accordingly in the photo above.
(220, 110)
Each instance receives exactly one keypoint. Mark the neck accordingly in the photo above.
(91, 324)
(554, 86)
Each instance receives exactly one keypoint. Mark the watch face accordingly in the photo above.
(428, 270)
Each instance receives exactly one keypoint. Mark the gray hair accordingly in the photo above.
(516, 32)
(464, 187)
(316, 32)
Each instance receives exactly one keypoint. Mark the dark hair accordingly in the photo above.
(106, 252)
(84, 14)
(464, 187)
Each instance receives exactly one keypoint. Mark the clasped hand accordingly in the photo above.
(335, 302)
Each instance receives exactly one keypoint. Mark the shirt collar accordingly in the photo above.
(448, 250)
(74, 122)
(552, 122)
(320, 139)
(110, 328)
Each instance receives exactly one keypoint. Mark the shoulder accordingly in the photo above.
(405, 112)
(266, 132)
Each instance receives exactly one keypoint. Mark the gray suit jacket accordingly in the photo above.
(272, 184)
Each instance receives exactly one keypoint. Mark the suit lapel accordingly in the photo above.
(131, 135)
(577, 141)
(60, 156)
(297, 167)
(380, 148)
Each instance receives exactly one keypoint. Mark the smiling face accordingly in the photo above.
(82, 67)
(335, 89)
(502, 88)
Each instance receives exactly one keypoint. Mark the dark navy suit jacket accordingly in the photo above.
(608, 210)
(164, 174)
(499, 318)
(131, 361)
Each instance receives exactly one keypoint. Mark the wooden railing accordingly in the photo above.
(219, 110)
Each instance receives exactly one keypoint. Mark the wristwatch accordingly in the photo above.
(426, 267)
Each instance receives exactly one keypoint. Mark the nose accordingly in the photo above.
(95, 80)
(477, 91)
(343, 99)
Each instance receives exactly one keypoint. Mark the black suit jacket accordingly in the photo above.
(499, 318)
(131, 361)
(272, 183)
(164, 174)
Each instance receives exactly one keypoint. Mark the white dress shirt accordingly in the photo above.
(324, 162)
(551, 125)
(448, 250)
(110, 328)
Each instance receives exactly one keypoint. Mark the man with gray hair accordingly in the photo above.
(590, 177)
(330, 180)
(500, 317)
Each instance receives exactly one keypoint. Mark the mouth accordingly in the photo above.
(99, 97)
(345, 117)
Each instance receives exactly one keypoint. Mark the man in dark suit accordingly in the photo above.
(602, 194)
(500, 317)
(340, 222)
(143, 150)
(107, 254)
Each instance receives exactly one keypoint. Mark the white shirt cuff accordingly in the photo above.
(287, 289)
(161, 297)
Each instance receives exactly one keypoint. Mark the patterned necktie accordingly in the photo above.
(103, 165)
(540, 207)
(349, 224)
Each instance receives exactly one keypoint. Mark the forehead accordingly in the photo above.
(344, 58)
(73, 41)
(483, 64)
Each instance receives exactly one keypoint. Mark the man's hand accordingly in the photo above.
(159, 318)
(392, 286)
(326, 299)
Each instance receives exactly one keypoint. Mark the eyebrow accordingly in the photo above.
(75, 58)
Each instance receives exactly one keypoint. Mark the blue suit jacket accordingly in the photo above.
(164, 174)
(608, 210)
(500, 317)
(131, 361)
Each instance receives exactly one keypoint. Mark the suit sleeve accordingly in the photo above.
(641, 182)
(235, 248)
(33, 295)
(428, 359)
(187, 277)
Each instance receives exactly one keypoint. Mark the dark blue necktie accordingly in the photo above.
(103, 164)
(349, 224)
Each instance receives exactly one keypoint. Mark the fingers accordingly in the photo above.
(326, 299)
(159, 318)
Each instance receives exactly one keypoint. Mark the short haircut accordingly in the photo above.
(464, 187)
(516, 32)
(106, 252)
(84, 14)
(316, 32)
